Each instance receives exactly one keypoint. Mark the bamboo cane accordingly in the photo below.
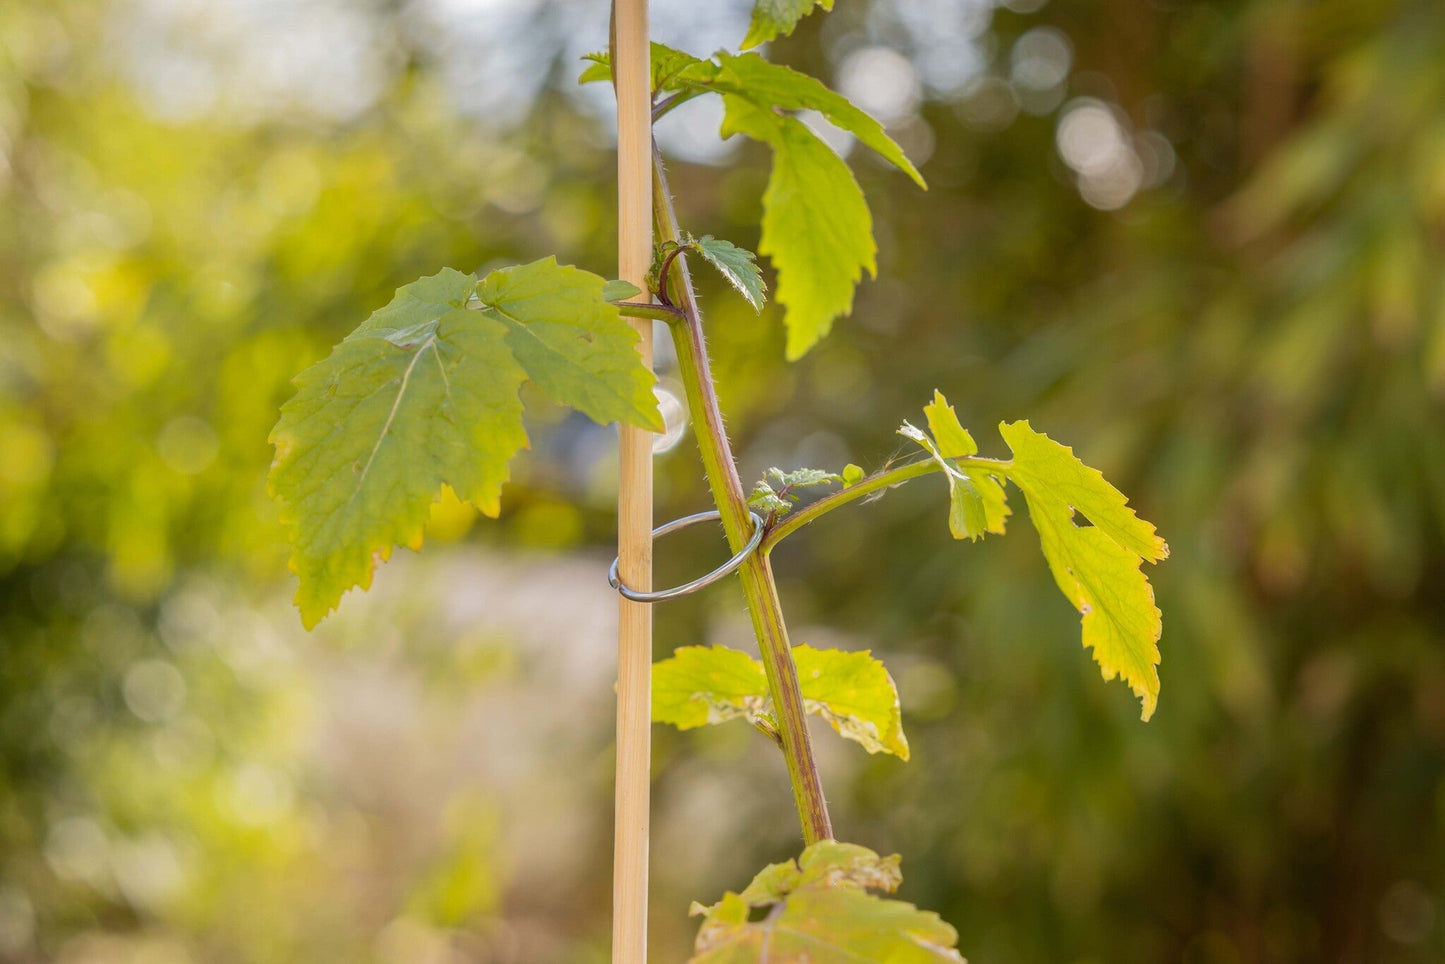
(630, 61)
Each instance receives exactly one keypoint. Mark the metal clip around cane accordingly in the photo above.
(726, 569)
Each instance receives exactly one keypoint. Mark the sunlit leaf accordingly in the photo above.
(1097, 566)
(967, 516)
(699, 685)
(976, 500)
(712, 684)
(424, 394)
(1041, 464)
(816, 225)
(818, 909)
(952, 439)
(855, 694)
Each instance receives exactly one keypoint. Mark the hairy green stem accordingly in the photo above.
(757, 575)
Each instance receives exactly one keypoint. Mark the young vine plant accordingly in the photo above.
(424, 395)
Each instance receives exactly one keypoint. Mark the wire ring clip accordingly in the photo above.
(726, 569)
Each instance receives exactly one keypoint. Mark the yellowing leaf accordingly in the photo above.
(976, 499)
(991, 492)
(1096, 566)
(424, 394)
(967, 515)
(707, 684)
(713, 684)
(855, 694)
(1044, 465)
(817, 909)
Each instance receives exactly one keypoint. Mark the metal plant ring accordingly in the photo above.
(726, 569)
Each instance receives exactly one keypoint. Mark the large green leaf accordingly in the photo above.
(424, 394)
(816, 226)
(1097, 566)
(699, 685)
(817, 909)
(571, 341)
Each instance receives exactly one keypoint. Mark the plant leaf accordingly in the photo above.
(818, 909)
(620, 291)
(1096, 566)
(967, 515)
(804, 478)
(976, 501)
(571, 342)
(855, 694)
(713, 684)
(994, 498)
(852, 475)
(737, 265)
(424, 394)
(952, 439)
(766, 500)
(772, 18)
(666, 63)
(699, 685)
(1043, 464)
(816, 226)
(771, 85)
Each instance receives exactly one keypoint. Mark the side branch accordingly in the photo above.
(874, 483)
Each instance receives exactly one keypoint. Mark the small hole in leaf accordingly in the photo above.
(759, 914)
(1080, 522)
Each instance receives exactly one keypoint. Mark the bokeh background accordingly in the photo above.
(1199, 241)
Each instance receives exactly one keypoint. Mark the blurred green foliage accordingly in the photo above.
(1207, 256)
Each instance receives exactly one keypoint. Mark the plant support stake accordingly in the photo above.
(634, 507)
